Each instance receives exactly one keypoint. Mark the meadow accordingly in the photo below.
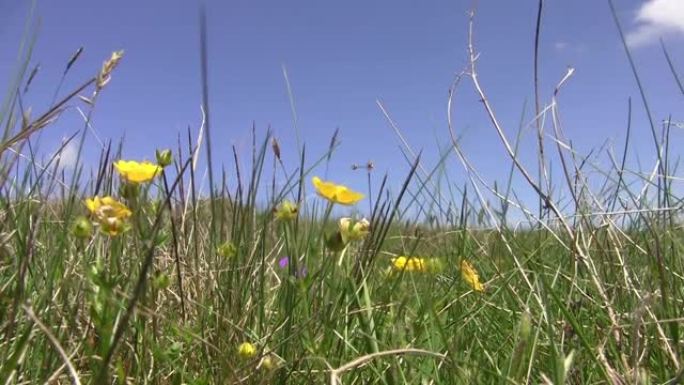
(124, 272)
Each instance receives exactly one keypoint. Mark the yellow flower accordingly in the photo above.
(247, 350)
(336, 193)
(137, 172)
(353, 231)
(469, 274)
(402, 263)
(107, 207)
(109, 213)
(286, 211)
(113, 226)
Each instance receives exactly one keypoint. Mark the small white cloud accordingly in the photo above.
(560, 45)
(571, 48)
(67, 157)
(656, 18)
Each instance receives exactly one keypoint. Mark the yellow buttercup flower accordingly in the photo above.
(469, 274)
(109, 213)
(107, 207)
(137, 172)
(336, 193)
(113, 226)
(402, 263)
(247, 350)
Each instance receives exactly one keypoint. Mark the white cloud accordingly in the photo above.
(67, 157)
(560, 45)
(656, 18)
(573, 48)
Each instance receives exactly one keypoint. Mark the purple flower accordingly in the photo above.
(285, 261)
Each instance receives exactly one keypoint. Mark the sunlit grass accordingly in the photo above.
(131, 275)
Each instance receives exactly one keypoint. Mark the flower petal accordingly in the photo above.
(137, 172)
(349, 197)
(336, 193)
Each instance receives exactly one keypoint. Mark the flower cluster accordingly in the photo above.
(415, 264)
(350, 231)
(109, 214)
(269, 361)
(422, 265)
(403, 263)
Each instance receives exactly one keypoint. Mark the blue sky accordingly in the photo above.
(343, 56)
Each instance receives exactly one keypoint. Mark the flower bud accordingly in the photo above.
(82, 228)
(270, 362)
(247, 350)
(286, 211)
(161, 281)
(164, 157)
(276, 147)
(351, 231)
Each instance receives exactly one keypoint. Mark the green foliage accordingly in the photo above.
(578, 296)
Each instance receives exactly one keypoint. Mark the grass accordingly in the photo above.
(589, 292)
